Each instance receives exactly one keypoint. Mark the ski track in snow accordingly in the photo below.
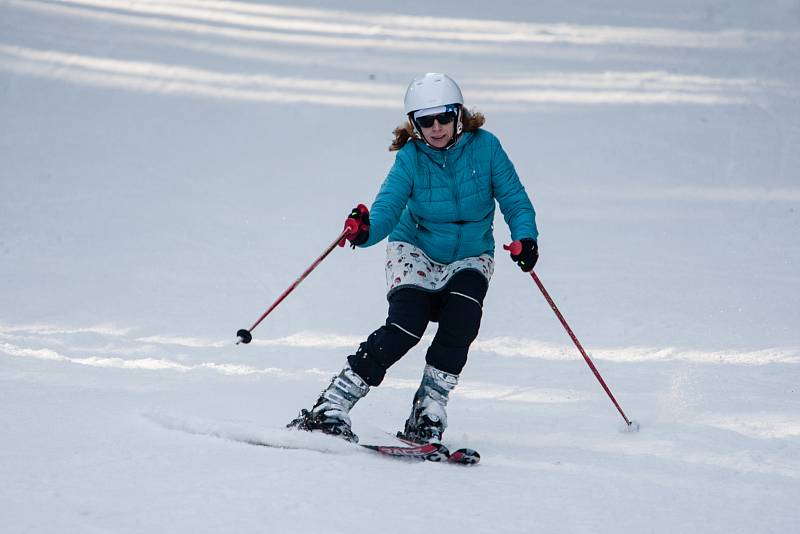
(661, 448)
(203, 27)
(249, 433)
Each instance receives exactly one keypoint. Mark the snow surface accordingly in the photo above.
(167, 168)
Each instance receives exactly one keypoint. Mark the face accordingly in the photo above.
(438, 135)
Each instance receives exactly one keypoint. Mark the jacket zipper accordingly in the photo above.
(457, 196)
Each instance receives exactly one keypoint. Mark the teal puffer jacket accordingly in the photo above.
(443, 201)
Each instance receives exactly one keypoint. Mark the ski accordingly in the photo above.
(431, 452)
(462, 456)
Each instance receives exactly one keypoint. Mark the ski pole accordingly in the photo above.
(245, 336)
(632, 426)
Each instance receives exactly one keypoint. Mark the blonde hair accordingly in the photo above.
(471, 121)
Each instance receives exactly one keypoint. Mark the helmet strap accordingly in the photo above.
(417, 133)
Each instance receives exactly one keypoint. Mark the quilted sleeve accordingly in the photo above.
(392, 198)
(514, 202)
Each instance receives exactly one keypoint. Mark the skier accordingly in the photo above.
(437, 206)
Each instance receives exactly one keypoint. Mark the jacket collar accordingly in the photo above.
(439, 156)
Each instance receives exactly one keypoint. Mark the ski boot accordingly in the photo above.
(428, 419)
(330, 414)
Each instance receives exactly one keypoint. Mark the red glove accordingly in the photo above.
(357, 224)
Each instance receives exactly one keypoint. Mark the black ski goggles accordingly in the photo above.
(443, 118)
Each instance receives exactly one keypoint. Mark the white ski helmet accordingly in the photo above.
(432, 90)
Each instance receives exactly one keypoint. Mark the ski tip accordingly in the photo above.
(465, 457)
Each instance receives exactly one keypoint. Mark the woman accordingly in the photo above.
(437, 207)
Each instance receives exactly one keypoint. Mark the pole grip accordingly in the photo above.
(515, 247)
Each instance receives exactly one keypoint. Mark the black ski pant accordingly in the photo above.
(458, 310)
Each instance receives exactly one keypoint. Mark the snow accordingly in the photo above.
(168, 168)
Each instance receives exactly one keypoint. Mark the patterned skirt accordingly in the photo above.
(409, 266)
